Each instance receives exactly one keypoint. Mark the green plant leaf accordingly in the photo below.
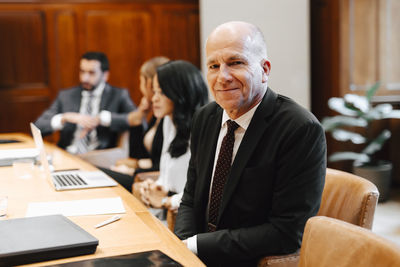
(394, 114)
(359, 103)
(343, 135)
(378, 112)
(339, 156)
(357, 111)
(371, 91)
(330, 123)
(337, 104)
(377, 143)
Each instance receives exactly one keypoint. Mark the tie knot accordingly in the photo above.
(232, 126)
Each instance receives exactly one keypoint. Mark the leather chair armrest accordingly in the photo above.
(171, 218)
(289, 260)
(147, 175)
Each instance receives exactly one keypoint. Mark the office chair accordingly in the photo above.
(329, 242)
(346, 197)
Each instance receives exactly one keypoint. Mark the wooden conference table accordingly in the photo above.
(136, 231)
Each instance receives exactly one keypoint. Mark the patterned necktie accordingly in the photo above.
(222, 170)
(84, 143)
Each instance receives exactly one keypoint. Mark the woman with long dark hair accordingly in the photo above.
(145, 139)
(179, 90)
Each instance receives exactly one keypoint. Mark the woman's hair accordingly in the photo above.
(149, 67)
(184, 85)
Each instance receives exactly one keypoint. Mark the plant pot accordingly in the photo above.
(379, 174)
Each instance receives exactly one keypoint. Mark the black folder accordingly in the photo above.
(34, 239)
(153, 258)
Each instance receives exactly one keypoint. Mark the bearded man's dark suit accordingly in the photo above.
(113, 99)
(274, 186)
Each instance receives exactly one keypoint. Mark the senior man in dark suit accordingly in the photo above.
(91, 115)
(258, 159)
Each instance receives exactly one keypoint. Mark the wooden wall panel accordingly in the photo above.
(178, 32)
(389, 43)
(66, 49)
(22, 49)
(22, 108)
(363, 43)
(125, 37)
(41, 42)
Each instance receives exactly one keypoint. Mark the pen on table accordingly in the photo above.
(110, 220)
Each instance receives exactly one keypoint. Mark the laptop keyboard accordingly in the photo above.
(69, 179)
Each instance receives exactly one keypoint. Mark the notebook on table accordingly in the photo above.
(67, 180)
(34, 239)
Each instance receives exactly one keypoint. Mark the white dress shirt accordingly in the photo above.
(173, 171)
(243, 122)
(104, 115)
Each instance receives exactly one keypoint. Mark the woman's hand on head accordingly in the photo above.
(145, 105)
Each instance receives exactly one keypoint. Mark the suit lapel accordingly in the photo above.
(207, 155)
(76, 100)
(254, 133)
(105, 97)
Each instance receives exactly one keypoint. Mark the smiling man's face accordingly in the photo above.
(236, 73)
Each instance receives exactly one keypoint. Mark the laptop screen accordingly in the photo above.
(37, 137)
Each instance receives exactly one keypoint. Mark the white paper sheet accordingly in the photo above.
(77, 207)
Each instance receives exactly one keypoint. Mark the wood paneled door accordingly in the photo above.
(41, 43)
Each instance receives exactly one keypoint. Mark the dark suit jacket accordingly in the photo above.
(113, 99)
(138, 150)
(274, 186)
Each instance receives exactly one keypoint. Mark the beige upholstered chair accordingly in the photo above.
(346, 197)
(171, 218)
(349, 198)
(329, 242)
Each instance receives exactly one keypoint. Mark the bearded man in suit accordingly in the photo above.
(89, 116)
(276, 164)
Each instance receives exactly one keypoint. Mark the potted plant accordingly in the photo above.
(357, 111)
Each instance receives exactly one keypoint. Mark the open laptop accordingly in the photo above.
(68, 180)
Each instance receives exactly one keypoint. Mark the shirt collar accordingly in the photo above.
(96, 91)
(244, 120)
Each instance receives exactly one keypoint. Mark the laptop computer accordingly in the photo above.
(69, 180)
(8, 156)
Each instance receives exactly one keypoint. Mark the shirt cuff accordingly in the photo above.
(56, 122)
(105, 118)
(191, 243)
(176, 200)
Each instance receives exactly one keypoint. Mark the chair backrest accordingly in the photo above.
(345, 197)
(349, 198)
(328, 242)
